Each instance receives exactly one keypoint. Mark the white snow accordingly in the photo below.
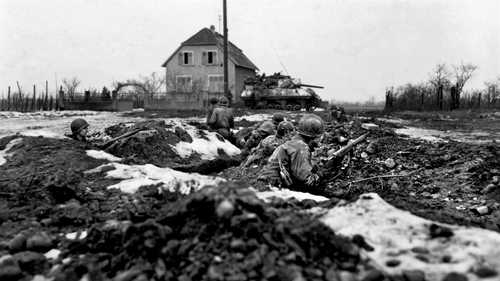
(393, 233)
(393, 120)
(4, 153)
(76, 234)
(441, 136)
(254, 117)
(287, 194)
(135, 176)
(420, 133)
(207, 146)
(99, 154)
(52, 254)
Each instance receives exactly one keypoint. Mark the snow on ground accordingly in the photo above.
(394, 233)
(432, 135)
(207, 146)
(56, 123)
(287, 194)
(254, 117)
(394, 120)
(5, 152)
(99, 154)
(135, 176)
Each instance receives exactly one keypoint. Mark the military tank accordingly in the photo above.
(279, 92)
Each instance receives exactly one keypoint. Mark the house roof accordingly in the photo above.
(208, 37)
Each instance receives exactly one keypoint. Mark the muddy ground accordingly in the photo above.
(45, 194)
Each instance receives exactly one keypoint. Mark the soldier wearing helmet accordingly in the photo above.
(265, 129)
(211, 106)
(79, 129)
(290, 164)
(267, 146)
(222, 120)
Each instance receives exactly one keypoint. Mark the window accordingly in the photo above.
(216, 83)
(209, 57)
(186, 58)
(184, 83)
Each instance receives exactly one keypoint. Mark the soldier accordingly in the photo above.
(290, 164)
(265, 129)
(211, 106)
(79, 129)
(222, 119)
(267, 146)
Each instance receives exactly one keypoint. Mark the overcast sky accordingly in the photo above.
(353, 48)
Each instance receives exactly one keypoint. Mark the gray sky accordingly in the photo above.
(353, 48)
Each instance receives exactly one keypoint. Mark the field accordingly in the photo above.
(419, 199)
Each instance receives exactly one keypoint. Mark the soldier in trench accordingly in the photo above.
(290, 165)
(222, 120)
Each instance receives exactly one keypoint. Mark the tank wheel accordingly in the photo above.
(297, 107)
(289, 107)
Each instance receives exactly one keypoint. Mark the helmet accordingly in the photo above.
(213, 100)
(266, 127)
(78, 124)
(311, 126)
(285, 127)
(278, 117)
(223, 101)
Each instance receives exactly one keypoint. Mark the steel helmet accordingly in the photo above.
(311, 126)
(285, 127)
(223, 101)
(78, 124)
(213, 100)
(278, 117)
(267, 127)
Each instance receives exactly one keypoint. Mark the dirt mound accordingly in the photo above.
(219, 233)
(154, 145)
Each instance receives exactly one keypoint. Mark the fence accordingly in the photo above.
(27, 103)
(180, 101)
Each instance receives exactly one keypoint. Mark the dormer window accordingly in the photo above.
(210, 58)
(186, 58)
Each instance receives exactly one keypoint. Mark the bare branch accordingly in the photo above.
(462, 74)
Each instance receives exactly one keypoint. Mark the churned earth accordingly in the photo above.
(171, 203)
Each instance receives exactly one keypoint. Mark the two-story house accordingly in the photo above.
(197, 65)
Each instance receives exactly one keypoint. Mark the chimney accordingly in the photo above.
(212, 28)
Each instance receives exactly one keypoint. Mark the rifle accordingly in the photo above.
(111, 141)
(345, 149)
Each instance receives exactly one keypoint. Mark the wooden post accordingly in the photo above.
(8, 98)
(226, 60)
(33, 100)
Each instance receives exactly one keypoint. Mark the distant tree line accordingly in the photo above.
(444, 90)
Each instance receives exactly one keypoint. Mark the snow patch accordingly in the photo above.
(53, 254)
(4, 153)
(135, 176)
(287, 194)
(393, 233)
(207, 147)
(393, 120)
(42, 133)
(99, 154)
(420, 133)
(254, 117)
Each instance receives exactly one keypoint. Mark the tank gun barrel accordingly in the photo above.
(310, 86)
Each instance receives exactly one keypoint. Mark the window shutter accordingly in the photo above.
(180, 58)
(204, 58)
(190, 59)
(215, 58)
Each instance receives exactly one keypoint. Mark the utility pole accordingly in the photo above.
(226, 81)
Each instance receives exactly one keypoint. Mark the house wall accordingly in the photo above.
(240, 75)
(199, 72)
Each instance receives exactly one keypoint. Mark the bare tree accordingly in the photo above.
(440, 79)
(462, 74)
(70, 85)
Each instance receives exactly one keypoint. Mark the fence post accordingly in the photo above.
(8, 98)
(33, 100)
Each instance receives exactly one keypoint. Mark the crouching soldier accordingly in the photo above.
(267, 146)
(264, 130)
(290, 164)
(222, 119)
(79, 129)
